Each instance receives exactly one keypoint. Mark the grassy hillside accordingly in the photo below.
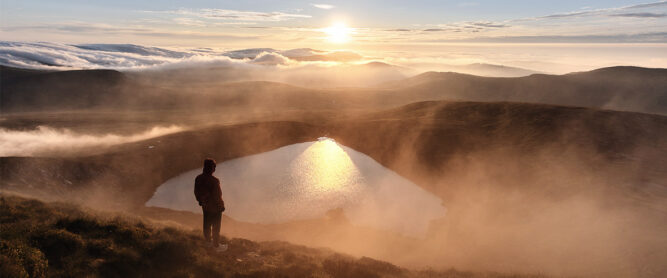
(59, 240)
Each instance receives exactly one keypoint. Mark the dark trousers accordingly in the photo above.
(212, 225)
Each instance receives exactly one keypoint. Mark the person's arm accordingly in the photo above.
(199, 191)
(219, 194)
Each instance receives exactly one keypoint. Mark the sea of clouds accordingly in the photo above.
(301, 67)
(57, 56)
(488, 59)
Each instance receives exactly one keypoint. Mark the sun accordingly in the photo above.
(338, 33)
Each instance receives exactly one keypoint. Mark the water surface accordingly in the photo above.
(305, 181)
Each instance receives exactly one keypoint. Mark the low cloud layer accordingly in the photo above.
(91, 56)
(301, 67)
(44, 55)
(290, 65)
(47, 140)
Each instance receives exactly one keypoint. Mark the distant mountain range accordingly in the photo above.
(617, 88)
(488, 70)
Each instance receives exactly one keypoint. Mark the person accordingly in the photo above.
(209, 196)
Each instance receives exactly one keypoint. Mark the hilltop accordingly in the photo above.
(617, 88)
(62, 240)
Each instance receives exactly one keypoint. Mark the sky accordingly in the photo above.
(385, 28)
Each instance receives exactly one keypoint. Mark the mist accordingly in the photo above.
(45, 141)
(550, 213)
(529, 173)
(563, 212)
(351, 139)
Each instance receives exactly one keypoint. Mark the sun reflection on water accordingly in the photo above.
(325, 167)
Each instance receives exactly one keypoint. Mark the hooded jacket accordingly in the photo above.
(208, 193)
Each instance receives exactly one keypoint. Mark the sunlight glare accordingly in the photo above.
(326, 166)
(338, 33)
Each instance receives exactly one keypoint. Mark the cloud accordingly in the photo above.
(189, 21)
(46, 140)
(94, 56)
(578, 26)
(135, 49)
(300, 67)
(224, 14)
(50, 55)
(656, 37)
(77, 27)
(647, 5)
(323, 6)
(570, 14)
(301, 52)
(271, 58)
(333, 56)
(249, 53)
(136, 57)
(641, 15)
(488, 24)
(103, 29)
(605, 11)
(469, 27)
(589, 25)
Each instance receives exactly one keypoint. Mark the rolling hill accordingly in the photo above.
(55, 239)
(510, 174)
(619, 88)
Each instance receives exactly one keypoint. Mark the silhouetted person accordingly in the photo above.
(209, 196)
